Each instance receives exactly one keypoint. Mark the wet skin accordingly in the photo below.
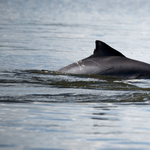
(108, 61)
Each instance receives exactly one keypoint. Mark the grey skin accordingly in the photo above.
(108, 61)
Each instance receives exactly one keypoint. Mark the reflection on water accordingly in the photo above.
(92, 125)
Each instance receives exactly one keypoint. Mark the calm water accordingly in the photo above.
(42, 110)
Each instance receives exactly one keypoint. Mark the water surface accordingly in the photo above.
(40, 109)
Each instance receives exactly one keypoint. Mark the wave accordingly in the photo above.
(48, 86)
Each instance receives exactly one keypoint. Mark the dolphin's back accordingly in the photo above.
(108, 61)
(93, 63)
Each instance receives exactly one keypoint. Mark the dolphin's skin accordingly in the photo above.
(108, 61)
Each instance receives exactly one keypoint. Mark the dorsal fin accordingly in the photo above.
(103, 49)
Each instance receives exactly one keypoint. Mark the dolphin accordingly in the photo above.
(107, 61)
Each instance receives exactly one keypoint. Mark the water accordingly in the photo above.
(40, 109)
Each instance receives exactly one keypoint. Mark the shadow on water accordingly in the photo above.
(48, 86)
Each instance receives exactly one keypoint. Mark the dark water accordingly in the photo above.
(40, 109)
